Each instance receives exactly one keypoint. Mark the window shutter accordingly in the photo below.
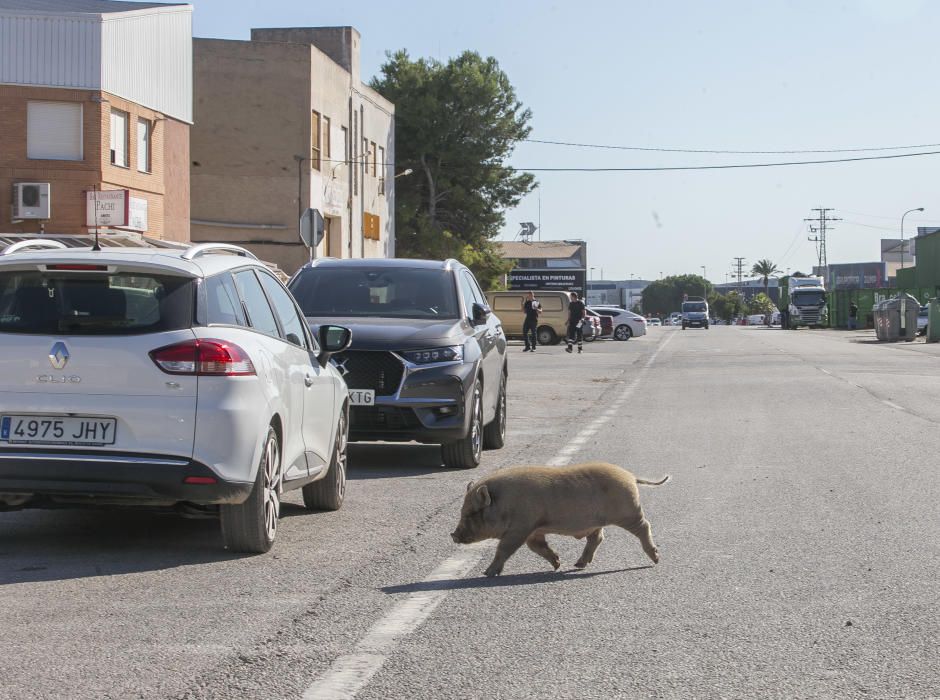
(54, 131)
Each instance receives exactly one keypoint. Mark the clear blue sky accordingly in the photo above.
(741, 75)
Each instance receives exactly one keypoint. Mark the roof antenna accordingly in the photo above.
(96, 248)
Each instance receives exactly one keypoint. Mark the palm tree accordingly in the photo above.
(765, 269)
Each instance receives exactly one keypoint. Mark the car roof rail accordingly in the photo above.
(209, 248)
(23, 245)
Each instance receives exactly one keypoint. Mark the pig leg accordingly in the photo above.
(594, 540)
(510, 542)
(643, 532)
(538, 545)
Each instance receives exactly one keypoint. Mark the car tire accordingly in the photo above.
(494, 434)
(328, 493)
(590, 338)
(546, 335)
(623, 332)
(467, 452)
(251, 526)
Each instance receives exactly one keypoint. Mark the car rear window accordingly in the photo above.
(122, 303)
(397, 292)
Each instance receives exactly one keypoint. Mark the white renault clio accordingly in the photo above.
(184, 379)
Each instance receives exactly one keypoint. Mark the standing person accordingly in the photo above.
(576, 315)
(530, 326)
(853, 316)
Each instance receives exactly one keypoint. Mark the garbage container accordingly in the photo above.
(896, 318)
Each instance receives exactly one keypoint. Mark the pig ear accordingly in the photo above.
(469, 485)
(482, 497)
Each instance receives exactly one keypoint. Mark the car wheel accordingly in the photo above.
(623, 332)
(494, 434)
(328, 493)
(590, 338)
(467, 452)
(546, 336)
(251, 526)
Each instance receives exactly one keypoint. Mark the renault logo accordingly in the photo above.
(59, 356)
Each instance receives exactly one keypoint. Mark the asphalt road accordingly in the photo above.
(800, 544)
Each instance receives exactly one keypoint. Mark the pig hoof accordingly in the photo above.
(580, 564)
(556, 564)
(492, 571)
(654, 555)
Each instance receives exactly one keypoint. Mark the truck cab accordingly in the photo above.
(806, 300)
(695, 313)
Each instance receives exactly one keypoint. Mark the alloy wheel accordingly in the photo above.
(272, 487)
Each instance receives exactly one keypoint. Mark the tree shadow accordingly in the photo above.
(56, 545)
(456, 584)
(391, 461)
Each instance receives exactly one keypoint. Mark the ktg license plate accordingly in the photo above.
(58, 430)
(362, 397)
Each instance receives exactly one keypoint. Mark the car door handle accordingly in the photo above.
(308, 379)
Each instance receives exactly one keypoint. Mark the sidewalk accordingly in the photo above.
(867, 337)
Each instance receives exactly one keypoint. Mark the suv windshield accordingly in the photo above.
(387, 292)
(124, 303)
(694, 306)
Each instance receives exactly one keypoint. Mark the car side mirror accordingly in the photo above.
(332, 339)
(480, 314)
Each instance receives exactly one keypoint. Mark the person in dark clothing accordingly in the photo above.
(853, 316)
(576, 315)
(530, 326)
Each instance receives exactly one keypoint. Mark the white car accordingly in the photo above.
(168, 378)
(626, 323)
(654, 322)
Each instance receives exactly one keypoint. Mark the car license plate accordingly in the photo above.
(58, 430)
(362, 397)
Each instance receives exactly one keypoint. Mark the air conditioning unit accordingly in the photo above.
(31, 201)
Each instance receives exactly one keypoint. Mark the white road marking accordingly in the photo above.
(825, 371)
(350, 673)
(893, 405)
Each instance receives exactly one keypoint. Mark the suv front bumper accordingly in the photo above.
(431, 406)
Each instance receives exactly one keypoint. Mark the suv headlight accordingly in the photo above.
(453, 353)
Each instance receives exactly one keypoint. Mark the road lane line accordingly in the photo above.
(892, 405)
(350, 673)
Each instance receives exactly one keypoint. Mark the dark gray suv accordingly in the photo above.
(428, 358)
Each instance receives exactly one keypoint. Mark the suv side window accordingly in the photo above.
(259, 311)
(467, 292)
(291, 322)
(222, 303)
(478, 296)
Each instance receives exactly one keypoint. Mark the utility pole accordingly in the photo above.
(739, 266)
(822, 221)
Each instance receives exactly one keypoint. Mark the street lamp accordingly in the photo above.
(704, 283)
(592, 273)
(407, 171)
(902, 232)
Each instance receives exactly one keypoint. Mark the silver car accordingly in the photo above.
(177, 379)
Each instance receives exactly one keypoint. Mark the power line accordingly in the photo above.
(727, 152)
(822, 220)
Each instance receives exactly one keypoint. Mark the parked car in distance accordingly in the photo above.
(165, 378)
(922, 317)
(553, 321)
(591, 329)
(427, 361)
(654, 322)
(626, 324)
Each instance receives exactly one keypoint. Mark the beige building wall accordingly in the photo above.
(256, 105)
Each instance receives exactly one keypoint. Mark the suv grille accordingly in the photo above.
(367, 369)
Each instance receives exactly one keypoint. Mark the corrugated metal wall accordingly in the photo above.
(50, 51)
(148, 58)
(145, 57)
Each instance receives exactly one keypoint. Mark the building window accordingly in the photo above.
(144, 131)
(327, 146)
(383, 168)
(54, 131)
(372, 156)
(119, 138)
(315, 140)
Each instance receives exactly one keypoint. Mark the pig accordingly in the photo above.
(520, 505)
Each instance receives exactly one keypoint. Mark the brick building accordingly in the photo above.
(283, 122)
(95, 95)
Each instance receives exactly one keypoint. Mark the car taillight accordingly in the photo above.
(214, 358)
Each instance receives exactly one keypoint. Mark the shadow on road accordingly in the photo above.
(455, 584)
(389, 461)
(54, 545)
